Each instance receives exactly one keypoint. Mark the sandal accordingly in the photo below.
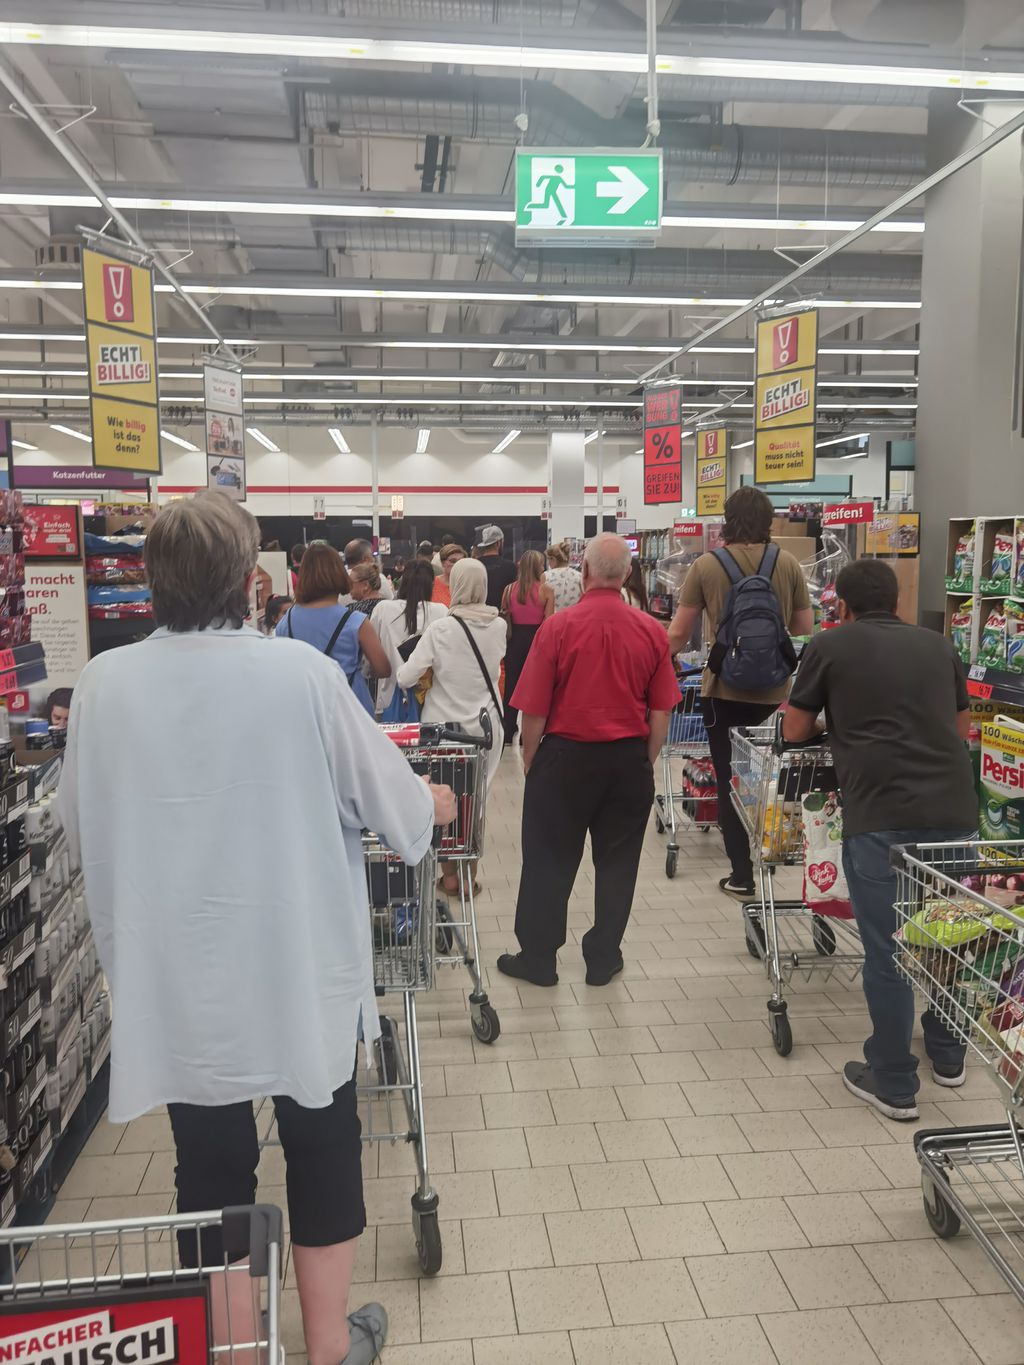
(368, 1327)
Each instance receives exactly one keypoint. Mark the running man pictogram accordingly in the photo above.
(548, 186)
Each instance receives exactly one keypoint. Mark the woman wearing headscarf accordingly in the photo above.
(464, 650)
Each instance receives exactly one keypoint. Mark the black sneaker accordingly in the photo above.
(745, 890)
(952, 1077)
(519, 966)
(600, 976)
(859, 1080)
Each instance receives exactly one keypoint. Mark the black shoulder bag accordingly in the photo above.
(334, 638)
(483, 669)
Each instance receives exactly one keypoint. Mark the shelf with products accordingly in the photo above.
(984, 582)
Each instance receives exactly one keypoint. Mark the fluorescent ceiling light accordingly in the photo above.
(696, 220)
(422, 437)
(70, 431)
(22, 445)
(855, 455)
(339, 440)
(591, 436)
(683, 435)
(842, 440)
(326, 47)
(466, 294)
(505, 442)
(264, 441)
(177, 440)
(742, 445)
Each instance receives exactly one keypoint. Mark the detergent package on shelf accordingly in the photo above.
(1001, 805)
(992, 648)
(962, 576)
(960, 629)
(1000, 576)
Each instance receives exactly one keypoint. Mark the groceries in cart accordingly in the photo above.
(700, 791)
(821, 573)
(825, 888)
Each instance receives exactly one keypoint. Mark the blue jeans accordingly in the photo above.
(890, 997)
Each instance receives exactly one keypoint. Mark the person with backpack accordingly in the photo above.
(755, 597)
(343, 632)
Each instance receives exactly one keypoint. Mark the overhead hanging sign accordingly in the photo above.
(712, 471)
(663, 461)
(588, 197)
(120, 335)
(225, 430)
(785, 395)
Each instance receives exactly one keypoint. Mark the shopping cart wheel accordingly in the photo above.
(484, 1020)
(782, 1034)
(824, 936)
(443, 938)
(705, 829)
(754, 935)
(659, 823)
(942, 1218)
(671, 862)
(427, 1233)
(387, 1053)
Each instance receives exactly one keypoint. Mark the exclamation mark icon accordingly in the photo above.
(117, 294)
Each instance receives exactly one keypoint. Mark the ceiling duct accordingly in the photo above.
(720, 90)
(543, 13)
(472, 109)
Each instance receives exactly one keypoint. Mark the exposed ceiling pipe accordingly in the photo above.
(550, 13)
(484, 110)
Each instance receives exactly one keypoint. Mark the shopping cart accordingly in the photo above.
(770, 779)
(118, 1291)
(695, 798)
(960, 942)
(449, 755)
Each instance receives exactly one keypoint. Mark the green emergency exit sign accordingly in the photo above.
(587, 197)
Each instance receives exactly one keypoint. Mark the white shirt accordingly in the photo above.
(389, 623)
(566, 584)
(216, 784)
(459, 693)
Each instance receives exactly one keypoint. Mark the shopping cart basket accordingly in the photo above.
(449, 755)
(770, 779)
(695, 798)
(960, 942)
(117, 1290)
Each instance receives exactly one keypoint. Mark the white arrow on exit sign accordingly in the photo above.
(627, 188)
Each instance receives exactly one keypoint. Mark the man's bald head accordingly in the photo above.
(606, 561)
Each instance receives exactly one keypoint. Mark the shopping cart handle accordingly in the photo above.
(455, 735)
(782, 746)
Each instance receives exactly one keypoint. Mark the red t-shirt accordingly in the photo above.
(596, 669)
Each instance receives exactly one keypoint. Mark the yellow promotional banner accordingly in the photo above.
(785, 397)
(787, 343)
(121, 345)
(785, 456)
(784, 401)
(712, 471)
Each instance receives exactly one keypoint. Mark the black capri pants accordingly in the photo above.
(218, 1152)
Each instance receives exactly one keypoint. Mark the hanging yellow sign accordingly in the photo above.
(785, 395)
(712, 471)
(121, 346)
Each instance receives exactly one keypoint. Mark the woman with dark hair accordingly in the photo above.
(634, 590)
(747, 537)
(273, 611)
(344, 633)
(57, 707)
(401, 623)
(525, 604)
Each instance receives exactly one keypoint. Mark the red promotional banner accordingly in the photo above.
(848, 514)
(52, 532)
(663, 465)
(159, 1327)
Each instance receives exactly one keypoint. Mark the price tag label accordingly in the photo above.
(976, 672)
(983, 691)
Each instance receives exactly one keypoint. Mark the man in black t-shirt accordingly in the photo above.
(897, 716)
(500, 572)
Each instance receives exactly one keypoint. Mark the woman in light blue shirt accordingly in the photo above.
(345, 633)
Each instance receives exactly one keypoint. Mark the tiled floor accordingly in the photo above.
(632, 1173)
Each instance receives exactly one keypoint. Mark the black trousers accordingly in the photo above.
(719, 717)
(218, 1152)
(515, 657)
(573, 788)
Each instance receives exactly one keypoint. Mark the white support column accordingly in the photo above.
(565, 484)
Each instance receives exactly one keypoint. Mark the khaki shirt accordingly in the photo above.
(707, 586)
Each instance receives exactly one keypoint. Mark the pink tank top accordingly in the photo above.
(528, 613)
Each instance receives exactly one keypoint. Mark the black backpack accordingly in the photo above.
(752, 650)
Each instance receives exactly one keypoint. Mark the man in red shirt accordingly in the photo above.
(595, 696)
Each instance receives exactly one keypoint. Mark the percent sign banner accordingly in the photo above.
(663, 461)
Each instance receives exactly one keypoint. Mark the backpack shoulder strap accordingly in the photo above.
(768, 560)
(288, 622)
(337, 630)
(483, 668)
(728, 563)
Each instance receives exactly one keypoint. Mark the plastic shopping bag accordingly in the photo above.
(825, 889)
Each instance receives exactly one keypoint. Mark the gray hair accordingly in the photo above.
(608, 558)
(199, 555)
